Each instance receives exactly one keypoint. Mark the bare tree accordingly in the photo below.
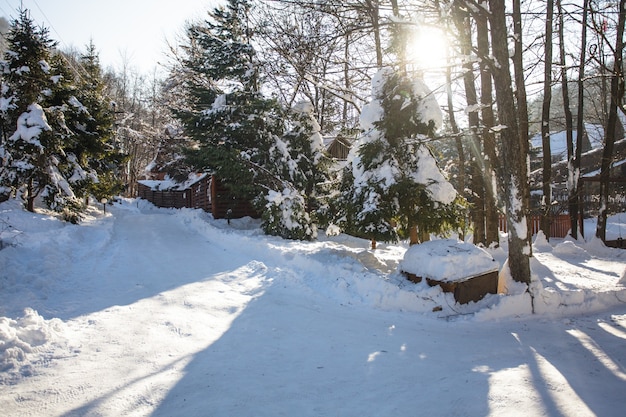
(462, 22)
(617, 94)
(492, 236)
(514, 176)
(520, 82)
(574, 163)
(545, 123)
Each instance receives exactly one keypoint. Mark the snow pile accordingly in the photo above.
(24, 340)
(570, 248)
(569, 278)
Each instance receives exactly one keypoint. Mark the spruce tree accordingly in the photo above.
(232, 123)
(392, 184)
(52, 144)
(93, 123)
(298, 157)
(31, 150)
(261, 152)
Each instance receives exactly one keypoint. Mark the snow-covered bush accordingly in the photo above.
(285, 215)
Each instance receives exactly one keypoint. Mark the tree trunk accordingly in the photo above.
(569, 124)
(515, 174)
(30, 196)
(458, 140)
(546, 202)
(462, 23)
(520, 84)
(617, 93)
(346, 78)
(492, 235)
(373, 9)
(574, 181)
(413, 236)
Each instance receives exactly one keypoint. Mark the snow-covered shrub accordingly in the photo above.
(285, 215)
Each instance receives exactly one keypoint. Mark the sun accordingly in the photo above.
(427, 48)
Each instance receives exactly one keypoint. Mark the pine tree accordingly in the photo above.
(232, 123)
(261, 152)
(31, 150)
(93, 123)
(52, 144)
(392, 184)
(299, 159)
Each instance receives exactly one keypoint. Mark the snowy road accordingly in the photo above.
(161, 313)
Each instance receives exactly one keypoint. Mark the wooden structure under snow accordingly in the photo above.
(201, 191)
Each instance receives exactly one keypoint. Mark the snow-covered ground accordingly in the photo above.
(153, 312)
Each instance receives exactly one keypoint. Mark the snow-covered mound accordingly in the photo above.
(25, 340)
(447, 260)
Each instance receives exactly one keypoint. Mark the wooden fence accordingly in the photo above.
(559, 225)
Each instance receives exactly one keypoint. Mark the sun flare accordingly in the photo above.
(427, 48)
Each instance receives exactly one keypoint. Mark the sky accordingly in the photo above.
(131, 31)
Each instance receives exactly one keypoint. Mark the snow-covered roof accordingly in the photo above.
(447, 260)
(169, 184)
(597, 171)
(558, 140)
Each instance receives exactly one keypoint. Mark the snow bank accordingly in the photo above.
(569, 277)
(23, 340)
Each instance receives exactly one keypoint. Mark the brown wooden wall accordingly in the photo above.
(167, 199)
(559, 226)
(223, 200)
(207, 194)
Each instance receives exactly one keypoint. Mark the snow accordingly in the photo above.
(558, 140)
(170, 184)
(159, 312)
(439, 188)
(428, 109)
(30, 124)
(219, 105)
(447, 260)
(73, 101)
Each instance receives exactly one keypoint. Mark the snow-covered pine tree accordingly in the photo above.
(299, 159)
(231, 122)
(392, 183)
(238, 133)
(93, 124)
(30, 148)
(39, 111)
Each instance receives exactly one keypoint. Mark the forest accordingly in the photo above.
(437, 100)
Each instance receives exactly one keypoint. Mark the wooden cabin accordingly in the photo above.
(202, 191)
(338, 147)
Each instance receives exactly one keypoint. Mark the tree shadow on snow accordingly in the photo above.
(580, 366)
(282, 357)
(145, 255)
